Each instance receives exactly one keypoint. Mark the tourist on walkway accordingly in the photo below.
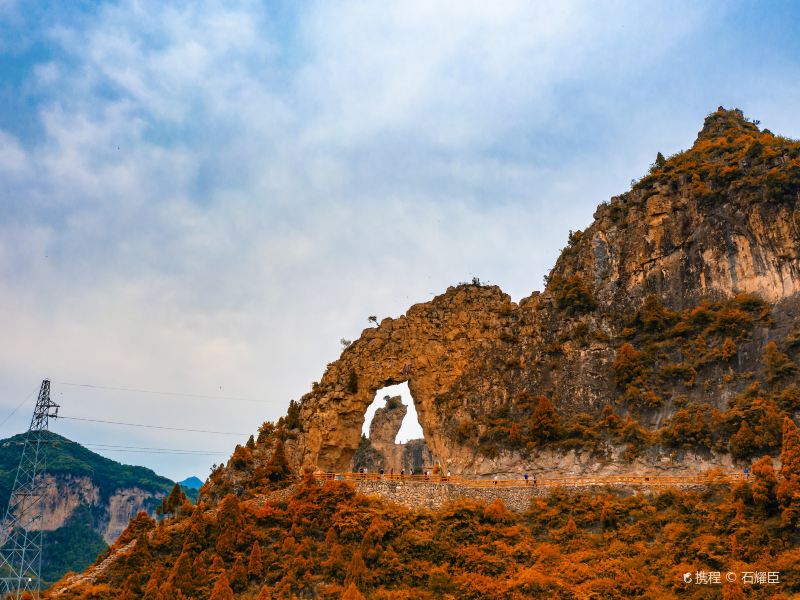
(526, 478)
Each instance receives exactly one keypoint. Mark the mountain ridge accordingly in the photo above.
(89, 502)
(666, 340)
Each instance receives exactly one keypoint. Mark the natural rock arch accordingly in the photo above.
(430, 348)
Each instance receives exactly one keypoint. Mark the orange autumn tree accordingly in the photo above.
(182, 577)
(255, 564)
(352, 593)
(788, 491)
(764, 483)
(238, 575)
(222, 590)
(544, 423)
(229, 523)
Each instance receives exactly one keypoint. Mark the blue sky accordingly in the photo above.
(204, 197)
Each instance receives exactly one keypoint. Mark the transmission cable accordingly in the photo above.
(156, 392)
(13, 412)
(118, 448)
(150, 426)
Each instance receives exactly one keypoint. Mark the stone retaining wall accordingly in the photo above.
(433, 495)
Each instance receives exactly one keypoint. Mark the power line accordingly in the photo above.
(156, 392)
(119, 448)
(13, 412)
(147, 449)
(172, 452)
(151, 426)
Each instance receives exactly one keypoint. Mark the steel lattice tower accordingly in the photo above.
(21, 553)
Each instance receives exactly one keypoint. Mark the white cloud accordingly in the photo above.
(221, 194)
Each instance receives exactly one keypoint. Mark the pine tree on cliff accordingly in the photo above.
(352, 593)
(356, 570)
(278, 466)
(255, 565)
(265, 594)
(141, 557)
(238, 575)
(764, 484)
(789, 487)
(151, 591)
(127, 594)
(182, 578)
(200, 572)
(195, 539)
(174, 502)
(229, 523)
(544, 423)
(222, 590)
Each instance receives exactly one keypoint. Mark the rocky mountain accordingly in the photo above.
(90, 500)
(677, 305)
(667, 339)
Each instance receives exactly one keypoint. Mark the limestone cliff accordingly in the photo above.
(708, 225)
(67, 494)
(88, 503)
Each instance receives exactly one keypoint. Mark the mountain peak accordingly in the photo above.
(192, 482)
(725, 122)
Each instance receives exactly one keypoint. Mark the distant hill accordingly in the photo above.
(89, 503)
(193, 483)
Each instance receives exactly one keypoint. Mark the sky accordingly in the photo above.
(203, 198)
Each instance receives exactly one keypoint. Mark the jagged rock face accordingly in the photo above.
(416, 457)
(680, 241)
(65, 494)
(122, 507)
(680, 249)
(717, 220)
(413, 456)
(386, 424)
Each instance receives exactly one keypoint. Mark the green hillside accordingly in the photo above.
(76, 544)
(67, 457)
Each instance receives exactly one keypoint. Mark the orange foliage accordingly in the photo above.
(222, 590)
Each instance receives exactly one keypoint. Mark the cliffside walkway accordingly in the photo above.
(647, 480)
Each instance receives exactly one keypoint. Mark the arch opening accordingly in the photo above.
(392, 438)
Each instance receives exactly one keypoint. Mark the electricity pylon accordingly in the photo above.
(21, 553)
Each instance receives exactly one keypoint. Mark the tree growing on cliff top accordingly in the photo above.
(277, 469)
(175, 502)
